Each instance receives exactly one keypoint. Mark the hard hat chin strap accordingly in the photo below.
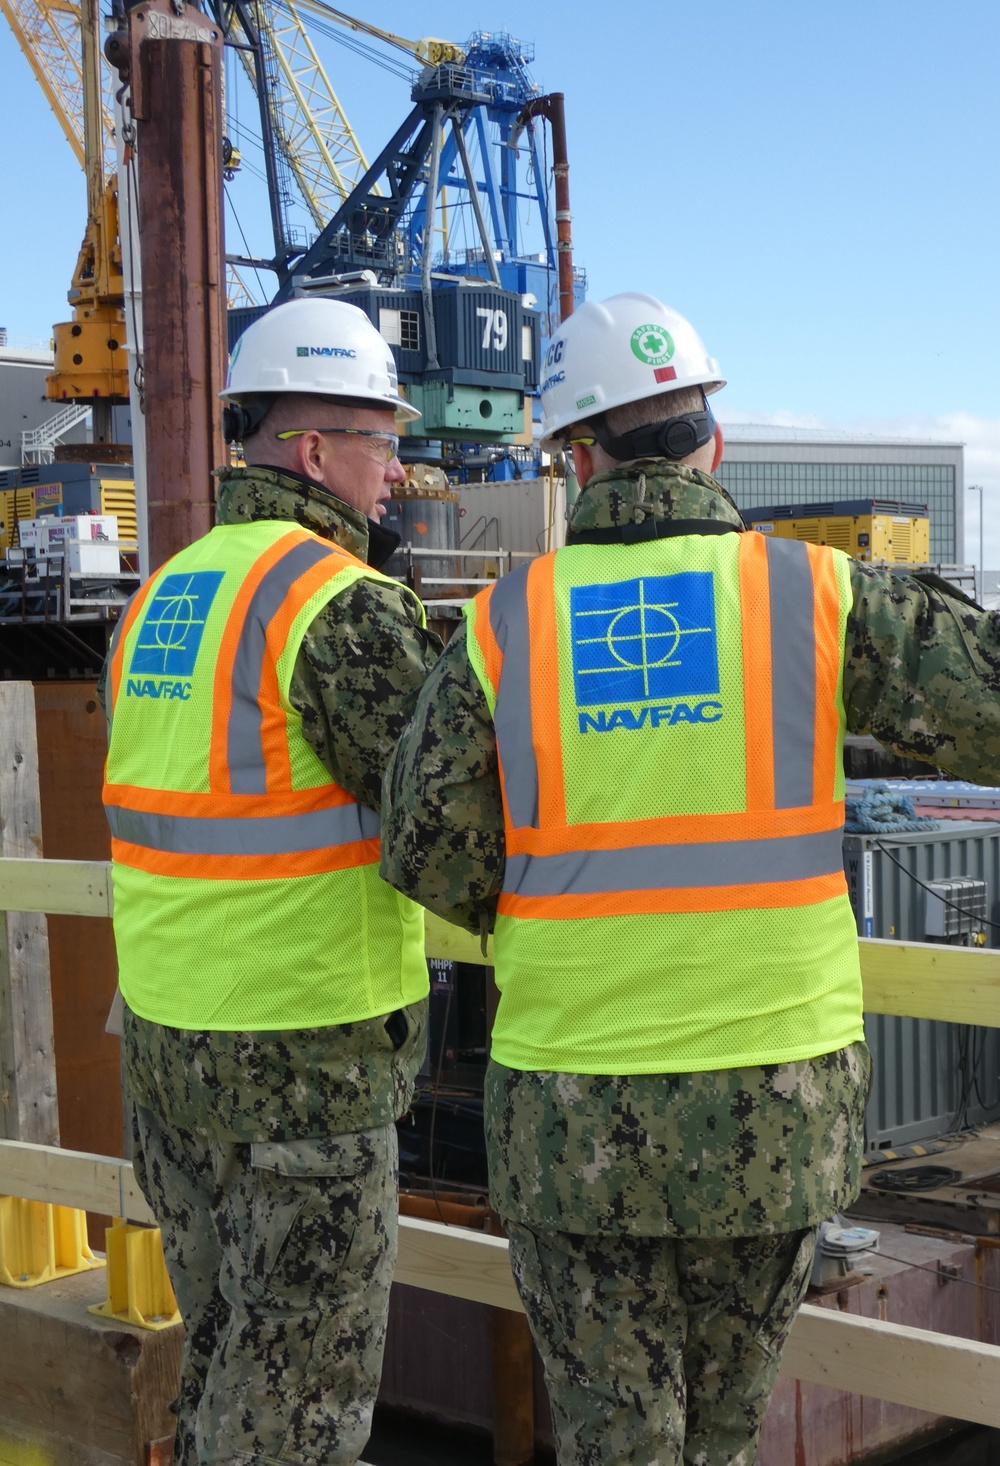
(674, 438)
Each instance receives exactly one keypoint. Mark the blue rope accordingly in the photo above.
(884, 811)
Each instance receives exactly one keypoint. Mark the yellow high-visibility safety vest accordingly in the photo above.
(669, 724)
(247, 893)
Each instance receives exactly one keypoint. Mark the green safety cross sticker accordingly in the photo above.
(653, 345)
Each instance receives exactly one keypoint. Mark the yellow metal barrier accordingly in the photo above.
(40, 1242)
(139, 1290)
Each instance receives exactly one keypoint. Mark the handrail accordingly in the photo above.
(934, 1372)
(905, 979)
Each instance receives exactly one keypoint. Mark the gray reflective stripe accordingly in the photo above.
(512, 719)
(253, 835)
(676, 867)
(247, 773)
(793, 672)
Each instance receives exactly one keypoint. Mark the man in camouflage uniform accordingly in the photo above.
(269, 1157)
(662, 1226)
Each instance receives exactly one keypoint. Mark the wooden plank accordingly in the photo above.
(958, 1378)
(911, 979)
(927, 980)
(455, 1261)
(28, 1109)
(60, 887)
(96, 1183)
(83, 966)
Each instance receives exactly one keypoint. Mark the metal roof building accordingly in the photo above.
(773, 465)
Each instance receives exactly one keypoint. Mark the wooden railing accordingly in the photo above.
(928, 1371)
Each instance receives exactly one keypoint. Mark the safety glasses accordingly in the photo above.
(385, 445)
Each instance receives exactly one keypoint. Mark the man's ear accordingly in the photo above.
(720, 447)
(583, 462)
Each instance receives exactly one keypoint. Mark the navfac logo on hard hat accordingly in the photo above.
(647, 640)
(347, 351)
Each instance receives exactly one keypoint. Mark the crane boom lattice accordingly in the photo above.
(48, 32)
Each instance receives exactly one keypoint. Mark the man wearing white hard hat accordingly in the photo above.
(630, 768)
(275, 988)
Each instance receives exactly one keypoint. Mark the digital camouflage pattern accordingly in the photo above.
(356, 678)
(281, 1256)
(269, 1159)
(922, 673)
(636, 1204)
(291, 1085)
(738, 1152)
(659, 1351)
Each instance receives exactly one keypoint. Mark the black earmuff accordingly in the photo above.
(240, 420)
(674, 438)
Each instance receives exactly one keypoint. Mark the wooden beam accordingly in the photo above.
(95, 1183)
(957, 1378)
(28, 1107)
(911, 979)
(59, 887)
(928, 980)
(944, 1375)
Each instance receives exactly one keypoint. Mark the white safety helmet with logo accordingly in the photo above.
(615, 351)
(316, 345)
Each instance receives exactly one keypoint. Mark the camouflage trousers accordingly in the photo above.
(281, 1256)
(659, 1350)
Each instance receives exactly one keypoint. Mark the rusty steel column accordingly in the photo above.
(173, 63)
(552, 107)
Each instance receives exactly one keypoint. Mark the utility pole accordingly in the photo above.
(170, 56)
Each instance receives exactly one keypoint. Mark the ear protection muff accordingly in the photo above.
(674, 438)
(240, 420)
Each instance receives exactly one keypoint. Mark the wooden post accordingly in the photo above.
(27, 1053)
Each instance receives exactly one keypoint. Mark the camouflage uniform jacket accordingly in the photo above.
(736, 1152)
(362, 662)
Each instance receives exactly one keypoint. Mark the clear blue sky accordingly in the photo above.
(815, 185)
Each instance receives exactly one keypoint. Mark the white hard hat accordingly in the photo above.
(615, 351)
(317, 345)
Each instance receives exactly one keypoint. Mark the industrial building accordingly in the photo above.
(768, 465)
(24, 407)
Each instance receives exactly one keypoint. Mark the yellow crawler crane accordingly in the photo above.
(61, 41)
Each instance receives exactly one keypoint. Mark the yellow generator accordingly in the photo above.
(882, 531)
(37, 490)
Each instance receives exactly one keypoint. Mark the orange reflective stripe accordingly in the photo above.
(274, 724)
(218, 758)
(546, 728)
(681, 829)
(214, 805)
(826, 602)
(755, 617)
(125, 626)
(246, 868)
(482, 630)
(769, 895)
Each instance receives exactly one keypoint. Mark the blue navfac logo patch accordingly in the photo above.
(638, 640)
(174, 623)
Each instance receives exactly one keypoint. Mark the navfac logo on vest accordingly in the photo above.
(651, 640)
(166, 647)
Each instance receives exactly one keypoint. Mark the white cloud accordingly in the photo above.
(981, 436)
